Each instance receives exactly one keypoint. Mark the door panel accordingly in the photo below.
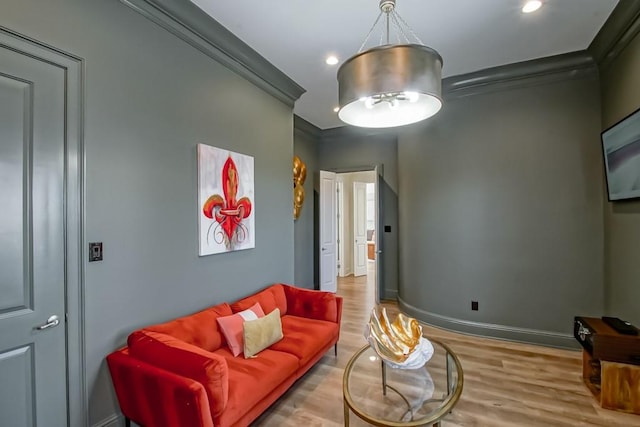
(359, 228)
(32, 279)
(16, 402)
(14, 152)
(327, 202)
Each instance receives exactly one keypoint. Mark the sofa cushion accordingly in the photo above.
(251, 380)
(311, 304)
(270, 298)
(304, 338)
(232, 326)
(174, 355)
(199, 329)
(261, 333)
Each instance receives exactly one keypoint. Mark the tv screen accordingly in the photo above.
(621, 149)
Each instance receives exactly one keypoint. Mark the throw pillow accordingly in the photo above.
(261, 333)
(232, 326)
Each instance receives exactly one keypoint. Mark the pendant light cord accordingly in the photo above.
(398, 24)
(366, 39)
(415, 36)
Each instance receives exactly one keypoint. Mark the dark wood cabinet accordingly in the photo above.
(610, 364)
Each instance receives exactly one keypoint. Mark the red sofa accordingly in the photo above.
(181, 373)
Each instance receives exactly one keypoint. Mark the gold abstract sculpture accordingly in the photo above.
(399, 343)
(299, 175)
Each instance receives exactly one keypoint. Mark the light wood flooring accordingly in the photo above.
(505, 384)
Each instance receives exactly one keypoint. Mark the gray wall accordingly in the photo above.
(620, 97)
(150, 98)
(501, 203)
(305, 147)
(347, 151)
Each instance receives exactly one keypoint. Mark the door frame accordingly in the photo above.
(340, 227)
(323, 177)
(354, 226)
(74, 159)
(378, 168)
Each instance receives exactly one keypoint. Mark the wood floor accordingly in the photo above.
(505, 384)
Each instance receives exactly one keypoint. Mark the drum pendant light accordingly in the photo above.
(392, 84)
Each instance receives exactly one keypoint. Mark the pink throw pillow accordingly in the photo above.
(232, 327)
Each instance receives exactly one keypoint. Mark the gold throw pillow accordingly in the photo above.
(261, 333)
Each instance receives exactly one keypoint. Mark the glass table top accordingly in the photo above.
(411, 397)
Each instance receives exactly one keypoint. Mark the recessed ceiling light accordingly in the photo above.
(332, 60)
(531, 6)
(336, 109)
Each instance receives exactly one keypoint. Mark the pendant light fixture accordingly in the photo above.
(392, 84)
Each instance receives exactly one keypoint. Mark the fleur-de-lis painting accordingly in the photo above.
(225, 195)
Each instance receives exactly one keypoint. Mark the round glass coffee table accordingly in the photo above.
(386, 396)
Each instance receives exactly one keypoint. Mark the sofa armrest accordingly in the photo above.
(181, 358)
(151, 396)
(313, 304)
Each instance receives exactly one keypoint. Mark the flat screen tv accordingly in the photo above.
(621, 149)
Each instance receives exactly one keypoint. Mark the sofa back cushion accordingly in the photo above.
(270, 298)
(317, 305)
(200, 329)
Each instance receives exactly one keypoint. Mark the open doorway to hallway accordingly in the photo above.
(356, 231)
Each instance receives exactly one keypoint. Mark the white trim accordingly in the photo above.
(342, 271)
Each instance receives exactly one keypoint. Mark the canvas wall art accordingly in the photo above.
(226, 201)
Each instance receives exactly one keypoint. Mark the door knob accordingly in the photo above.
(51, 322)
(323, 249)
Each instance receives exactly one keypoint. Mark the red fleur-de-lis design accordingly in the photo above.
(228, 211)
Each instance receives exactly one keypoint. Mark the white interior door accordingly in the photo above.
(340, 258)
(359, 228)
(33, 383)
(328, 214)
(379, 215)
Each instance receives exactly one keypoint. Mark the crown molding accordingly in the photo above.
(306, 128)
(617, 32)
(356, 132)
(520, 74)
(190, 23)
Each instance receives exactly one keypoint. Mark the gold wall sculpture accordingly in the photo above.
(299, 175)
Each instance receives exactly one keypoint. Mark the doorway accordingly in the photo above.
(356, 224)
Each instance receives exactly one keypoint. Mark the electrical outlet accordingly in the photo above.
(474, 305)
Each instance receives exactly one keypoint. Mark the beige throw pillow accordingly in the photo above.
(261, 333)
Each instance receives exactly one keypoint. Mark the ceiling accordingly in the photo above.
(297, 35)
